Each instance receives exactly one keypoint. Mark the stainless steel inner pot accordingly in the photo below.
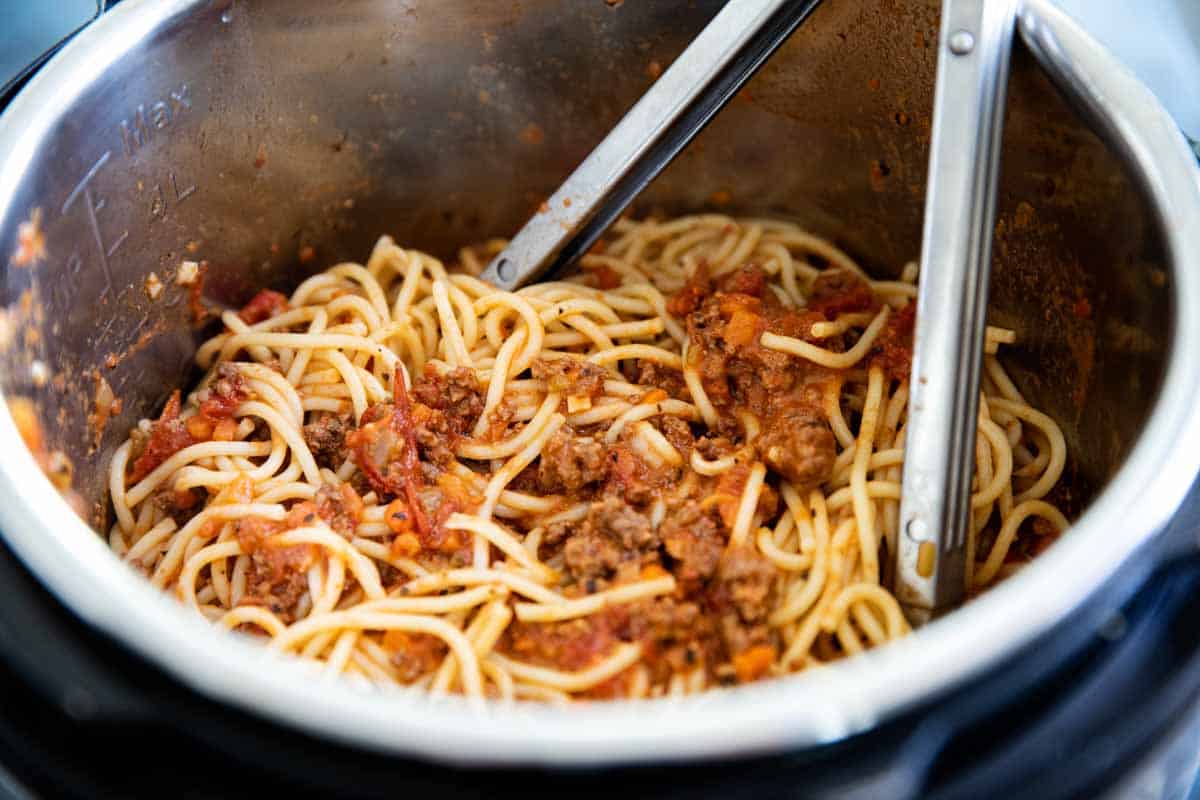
(277, 137)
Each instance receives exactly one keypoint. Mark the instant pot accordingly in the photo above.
(274, 137)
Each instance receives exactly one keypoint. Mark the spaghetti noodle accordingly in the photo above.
(678, 469)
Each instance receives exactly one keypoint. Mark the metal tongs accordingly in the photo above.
(974, 46)
(704, 77)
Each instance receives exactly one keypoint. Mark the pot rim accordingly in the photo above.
(814, 707)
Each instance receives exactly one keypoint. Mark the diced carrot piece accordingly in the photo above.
(406, 545)
(396, 641)
(752, 664)
(742, 328)
(25, 417)
(209, 529)
(398, 517)
(452, 541)
(199, 427)
(224, 431)
(655, 396)
(652, 571)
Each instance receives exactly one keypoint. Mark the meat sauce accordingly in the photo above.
(570, 376)
(214, 421)
(170, 433)
(893, 349)
(403, 448)
(717, 616)
(263, 306)
(278, 574)
(404, 451)
(396, 446)
(784, 394)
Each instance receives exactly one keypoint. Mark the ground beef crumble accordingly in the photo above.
(644, 372)
(456, 393)
(694, 539)
(278, 574)
(326, 438)
(612, 535)
(570, 376)
(784, 393)
(741, 596)
(568, 463)
(798, 445)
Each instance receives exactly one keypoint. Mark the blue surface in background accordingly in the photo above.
(30, 28)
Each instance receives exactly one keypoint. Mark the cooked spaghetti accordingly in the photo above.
(678, 469)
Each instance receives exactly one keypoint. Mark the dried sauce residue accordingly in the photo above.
(21, 326)
(532, 134)
(113, 360)
(153, 286)
(1083, 347)
(195, 286)
(187, 274)
(1025, 216)
(54, 463)
(31, 241)
(1064, 302)
(879, 174)
(105, 405)
(7, 330)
